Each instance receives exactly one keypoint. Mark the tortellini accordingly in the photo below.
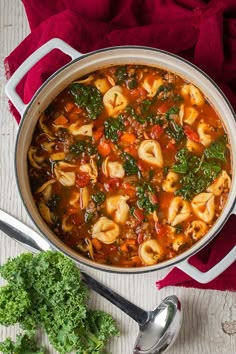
(66, 225)
(57, 156)
(85, 130)
(197, 229)
(118, 208)
(113, 169)
(35, 160)
(106, 230)
(196, 97)
(221, 184)
(204, 132)
(84, 197)
(204, 206)
(91, 169)
(193, 147)
(64, 173)
(114, 101)
(179, 211)
(46, 189)
(45, 213)
(179, 243)
(150, 252)
(150, 152)
(170, 184)
(75, 199)
(151, 85)
(187, 114)
(102, 85)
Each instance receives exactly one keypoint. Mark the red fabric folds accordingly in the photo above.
(203, 32)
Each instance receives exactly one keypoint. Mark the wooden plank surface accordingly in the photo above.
(209, 325)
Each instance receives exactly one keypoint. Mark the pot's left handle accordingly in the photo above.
(11, 85)
(206, 277)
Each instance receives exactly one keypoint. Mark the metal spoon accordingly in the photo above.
(158, 329)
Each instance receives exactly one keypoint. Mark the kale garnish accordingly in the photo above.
(146, 201)
(112, 127)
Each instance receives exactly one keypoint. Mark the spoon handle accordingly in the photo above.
(135, 312)
(34, 242)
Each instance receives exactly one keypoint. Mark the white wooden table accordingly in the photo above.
(208, 315)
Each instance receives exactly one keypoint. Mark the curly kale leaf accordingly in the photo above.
(46, 290)
(146, 197)
(88, 97)
(24, 344)
(112, 127)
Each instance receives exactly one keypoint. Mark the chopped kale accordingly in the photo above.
(138, 117)
(130, 165)
(146, 197)
(88, 97)
(83, 147)
(53, 202)
(172, 110)
(112, 127)
(98, 198)
(175, 130)
(217, 149)
(132, 83)
(121, 75)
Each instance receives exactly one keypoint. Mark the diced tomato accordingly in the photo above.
(140, 238)
(191, 134)
(112, 184)
(132, 150)
(98, 133)
(141, 165)
(156, 131)
(153, 199)
(139, 91)
(82, 179)
(160, 229)
(163, 108)
(139, 214)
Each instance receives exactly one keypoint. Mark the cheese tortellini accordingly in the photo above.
(85, 130)
(170, 184)
(179, 211)
(65, 173)
(196, 229)
(204, 132)
(91, 169)
(114, 101)
(196, 97)
(118, 208)
(150, 252)
(187, 114)
(151, 85)
(221, 184)
(113, 169)
(204, 206)
(150, 152)
(106, 230)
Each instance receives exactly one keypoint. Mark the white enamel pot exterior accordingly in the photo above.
(80, 66)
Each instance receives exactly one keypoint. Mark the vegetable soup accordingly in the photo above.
(130, 165)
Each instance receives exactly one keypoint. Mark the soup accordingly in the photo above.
(130, 165)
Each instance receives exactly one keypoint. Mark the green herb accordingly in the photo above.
(83, 147)
(24, 344)
(112, 127)
(46, 290)
(130, 165)
(217, 149)
(132, 83)
(179, 229)
(88, 97)
(121, 75)
(138, 117)
(53, 202)
(98, 198)
(88, 216)
(145, 193)
(145, 106)
(172, 110)
(175, 130)
(197, 173)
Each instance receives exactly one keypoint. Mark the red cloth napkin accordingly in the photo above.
(203, 32)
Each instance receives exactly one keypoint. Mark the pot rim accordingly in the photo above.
(61, 246)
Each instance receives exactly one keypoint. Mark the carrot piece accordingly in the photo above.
(69, 106)
(124, 247)
(60, 120)
(131, 241)
(134, 261)
(128, 138)
(132, 151)
(98, 134)
(104, 148)
(77, 110)
(97, 244)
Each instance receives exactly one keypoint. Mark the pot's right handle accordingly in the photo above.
(206, 277)
(12, 83)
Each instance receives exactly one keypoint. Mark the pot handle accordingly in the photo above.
(206, 277)
(10, 88)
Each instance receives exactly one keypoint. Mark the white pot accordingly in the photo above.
(80, 66)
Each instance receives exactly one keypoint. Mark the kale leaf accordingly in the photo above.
(112, 127)
(46, 290)
(121, 75)
(88, 97)
(217, 149)
(98, 198)
(130, 165)
(82, 147)
(146, 201)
